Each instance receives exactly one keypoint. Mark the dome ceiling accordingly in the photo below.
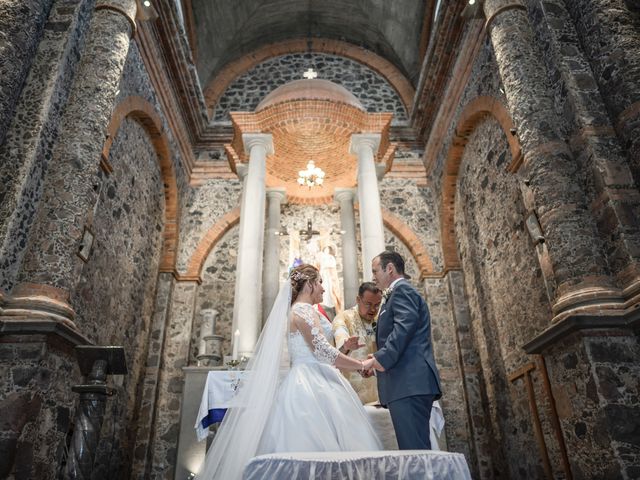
(310, 90)
(310, 120)
(227, 30)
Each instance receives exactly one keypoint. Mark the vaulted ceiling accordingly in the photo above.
(226, 30)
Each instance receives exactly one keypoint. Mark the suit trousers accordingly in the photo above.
(410, 417)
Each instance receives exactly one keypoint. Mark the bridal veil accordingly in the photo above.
(238, 437)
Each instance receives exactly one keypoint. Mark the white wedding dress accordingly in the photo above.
(313, 408)
(316, 409)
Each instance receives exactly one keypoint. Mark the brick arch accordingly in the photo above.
(232, 218)
(221, 81)
(140, 110)
(411, 241)
(473, 113)
(208, 242)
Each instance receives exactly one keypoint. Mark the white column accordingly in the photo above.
(248, 297)
(365, 145)
(344, 197)
(271, 271)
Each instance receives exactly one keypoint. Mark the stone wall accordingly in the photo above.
(114, 297)
(496, 253)
(26, 148)
(217, 291)
(483, 80)
(135, 81)
(21, 26)
(596, 384)
(37, 405)
(373, 91)
(417, 207)
(201, 208)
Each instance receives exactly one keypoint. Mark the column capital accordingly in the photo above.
(493, 8)
(340, 194)
(250, 140)
(277, 193)
(242, 169)
(381, 169)
(127, 8)
(361, 139)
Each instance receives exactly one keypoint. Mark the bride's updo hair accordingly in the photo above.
(299, 276)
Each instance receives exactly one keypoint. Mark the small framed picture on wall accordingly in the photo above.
(86, 244)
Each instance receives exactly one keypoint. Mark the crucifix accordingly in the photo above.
(309, 232)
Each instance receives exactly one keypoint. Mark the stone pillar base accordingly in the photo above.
(37, 356)
(593, 368)
(32, 300)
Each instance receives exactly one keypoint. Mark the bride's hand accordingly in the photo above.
(352, 343)
(367, 367)
(374, 363)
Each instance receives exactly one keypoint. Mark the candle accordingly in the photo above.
(236, 344)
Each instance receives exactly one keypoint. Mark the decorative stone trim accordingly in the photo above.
(411, 240)
(208, 242)
(505, 8)
(583, 323)
(51, 328)
(35, 300)
(124, 13)
(190, 27)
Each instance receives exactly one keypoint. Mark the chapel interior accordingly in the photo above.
(164, 163)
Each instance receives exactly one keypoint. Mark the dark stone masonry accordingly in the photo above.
(368, 86)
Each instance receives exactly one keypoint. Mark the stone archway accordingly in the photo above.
(144, 113)
(472, 114)
(208, 242)
(400, 229)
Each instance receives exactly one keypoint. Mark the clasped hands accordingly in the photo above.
(369, 366)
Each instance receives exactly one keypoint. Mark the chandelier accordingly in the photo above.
(311, 177)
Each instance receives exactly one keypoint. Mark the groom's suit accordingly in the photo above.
(410, 382)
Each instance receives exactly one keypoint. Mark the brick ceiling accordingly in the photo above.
(310, 120)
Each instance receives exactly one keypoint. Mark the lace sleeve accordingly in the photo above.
(308, 324)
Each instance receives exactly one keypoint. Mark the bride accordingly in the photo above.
(312, 409)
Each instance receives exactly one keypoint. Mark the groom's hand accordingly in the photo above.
(367, 367)
(376, 365)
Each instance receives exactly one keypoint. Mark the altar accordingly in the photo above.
(390, 465)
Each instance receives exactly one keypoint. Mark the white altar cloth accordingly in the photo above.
(218, 392)
(385, 465)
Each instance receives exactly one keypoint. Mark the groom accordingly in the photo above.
(408, 380)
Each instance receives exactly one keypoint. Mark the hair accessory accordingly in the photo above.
(297, 276)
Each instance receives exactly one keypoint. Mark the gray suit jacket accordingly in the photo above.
(404, 347)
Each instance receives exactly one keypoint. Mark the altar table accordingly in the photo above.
(385, 465)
